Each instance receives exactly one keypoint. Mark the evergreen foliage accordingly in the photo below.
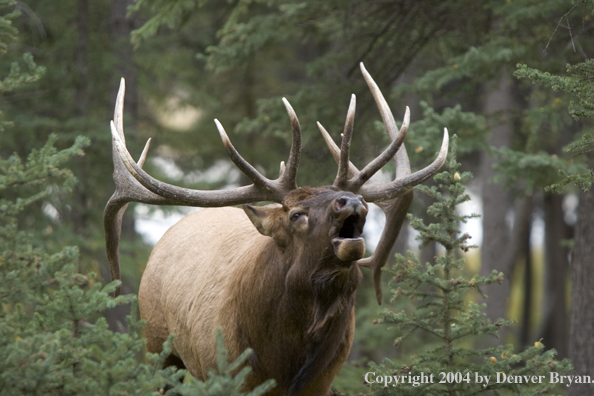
(223, 381)
(54, 339)
(521, 32)
(16, 77)
(472, 129)
(578, 84)
(72, 99)
(444, 311)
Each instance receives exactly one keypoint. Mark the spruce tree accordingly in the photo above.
(454, 326)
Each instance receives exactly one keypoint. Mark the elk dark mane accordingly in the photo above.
(326, 341)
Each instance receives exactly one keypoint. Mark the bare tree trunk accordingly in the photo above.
(581, 337)
(555, 326)
(496, 201)
(525, 228)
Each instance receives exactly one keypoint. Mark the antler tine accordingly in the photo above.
(238, 160)
(384, 157)
(401, 185)
(402, 163)
(118, 113)
(341, 180)
(386, 113)
(353, 171)
(144, 153)
(281, 170)
(290, 174)
(396, 211)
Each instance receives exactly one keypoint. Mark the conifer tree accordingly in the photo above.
(445, 313)
(577, 84)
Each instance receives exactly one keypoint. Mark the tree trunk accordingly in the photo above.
(581, 337)
(524, 244)
(555, 326)
(496, 201)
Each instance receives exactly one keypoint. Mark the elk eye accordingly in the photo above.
(298, 214)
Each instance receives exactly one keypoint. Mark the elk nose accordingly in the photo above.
(356, 203)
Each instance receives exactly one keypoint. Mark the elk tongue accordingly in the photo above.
(349, 249)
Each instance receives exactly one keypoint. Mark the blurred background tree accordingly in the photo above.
(189, 61)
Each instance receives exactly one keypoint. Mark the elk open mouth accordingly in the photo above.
(349, 244)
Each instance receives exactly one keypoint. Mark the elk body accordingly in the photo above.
(280, 279)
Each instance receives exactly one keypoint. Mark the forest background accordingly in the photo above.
(470, 66)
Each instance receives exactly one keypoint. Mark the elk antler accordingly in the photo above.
(133, 184)
(393, 198)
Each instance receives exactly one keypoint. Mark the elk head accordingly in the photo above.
(296, 209)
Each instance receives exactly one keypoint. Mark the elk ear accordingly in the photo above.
(268, 220)
(262, 217)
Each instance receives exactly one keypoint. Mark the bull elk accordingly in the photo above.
(281, 278)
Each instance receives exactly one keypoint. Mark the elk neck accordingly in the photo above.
(316, 310)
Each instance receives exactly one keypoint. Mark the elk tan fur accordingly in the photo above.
(214, 268)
